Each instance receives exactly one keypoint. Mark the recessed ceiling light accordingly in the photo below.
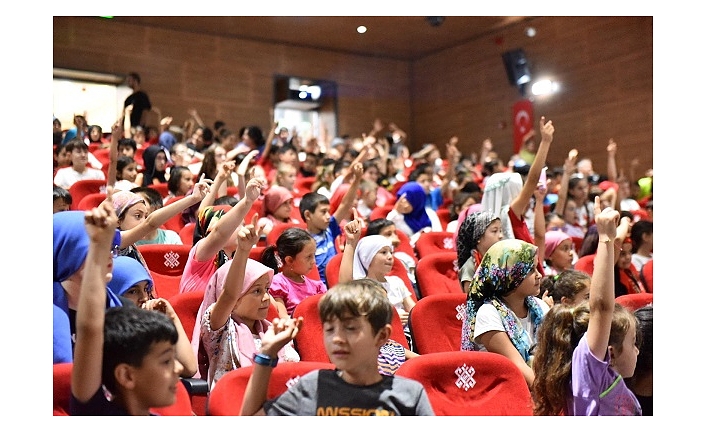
(530, 31)
(362, 29)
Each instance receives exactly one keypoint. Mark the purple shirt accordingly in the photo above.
(597, 389)
(293, 293)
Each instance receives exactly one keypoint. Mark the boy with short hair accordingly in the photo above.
(356, 320)
(79, 169)
(62, 199)
(314, 209)
(125, 357)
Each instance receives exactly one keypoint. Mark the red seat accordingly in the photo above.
(434, 242)
(444, 216)
(167, 259)
(103, 155)
(257, 207)
(232, 191)
(175, 222)
(186, 233)
(442, 310)
(646, 275)
(437, 273)
(62, 394)
(380, 212)
(62, 388)
(165, 286)
(91, 201)
(304, 184)
(226, 398)
(162, 188)
(81, 188)
(470, 383)
(398, 269)
(277, 230)
(585, 264)
(633, 301)
(310, 340)
(405, 245)
(186, 306)
(578, 242)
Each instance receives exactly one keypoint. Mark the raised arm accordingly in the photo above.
(352, 230)
(601, 300)
(242, 170)
(281, 332)
(540, 228)
(213, 193)
(101, 224)
(612, 171)
(207, 247)
(184, 351)
(160, 216)
(344, 209)
(569, 169)
(248, 236)
(519, 204)
(270, 137)
(116, 132)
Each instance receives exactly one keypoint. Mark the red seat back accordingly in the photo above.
(442, 310)
(81, 188)
(90, 201)
(175, 222)
(444, 215)
(165, 286)
(162, 188)
(277, 230)
(633, 301)
(646, 275)
(437, 273)
(181, 407)
(470, 383)
(186, 233)
(585, 264)
(380, 212)
(186, 305)
(310, 340)
(226, 397)
(62, 388)
(166, 259)
(434, 242)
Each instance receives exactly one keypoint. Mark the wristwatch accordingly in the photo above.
(265, 360)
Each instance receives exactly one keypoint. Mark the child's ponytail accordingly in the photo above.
(270, 258)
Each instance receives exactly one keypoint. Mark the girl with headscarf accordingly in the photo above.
(233, 315)
(70, 251)
(133, 282)
(410, 214)
(155, 159)
(215, 235)
(277, 203)
(502, 310)
(478, 231)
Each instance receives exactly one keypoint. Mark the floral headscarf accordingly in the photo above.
(203, 227)
(417, 198)
(503, 268)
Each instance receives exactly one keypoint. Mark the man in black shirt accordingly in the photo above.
(138, 99)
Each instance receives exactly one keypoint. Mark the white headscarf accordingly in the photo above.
(500, 190)
(365, 251)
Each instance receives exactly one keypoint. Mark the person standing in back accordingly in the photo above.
(139, 100)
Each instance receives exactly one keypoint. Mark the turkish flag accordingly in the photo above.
(522, 121)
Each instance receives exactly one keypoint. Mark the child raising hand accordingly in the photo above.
(583, 353)
(236, 304)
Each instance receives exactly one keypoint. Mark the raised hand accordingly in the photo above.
(353, 229)
(253, 188)
(612, 147)
(281, 332)
(249, 235)
(102, 220)
(547, 129)
(245, 163)
(606, 221)
(202, 187)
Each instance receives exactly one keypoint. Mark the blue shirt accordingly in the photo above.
(326, 246)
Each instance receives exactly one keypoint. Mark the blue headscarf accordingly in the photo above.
(70, 251)
(127, 272)
(415, 195)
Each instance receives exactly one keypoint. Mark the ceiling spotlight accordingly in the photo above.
(530, 31)
(361, 29)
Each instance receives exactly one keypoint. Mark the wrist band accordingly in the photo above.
(265, 360)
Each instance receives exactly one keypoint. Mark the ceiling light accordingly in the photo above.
(361, 29)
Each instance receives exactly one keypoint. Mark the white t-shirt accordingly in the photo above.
(66, 177)
(396, 291)
(488, 319)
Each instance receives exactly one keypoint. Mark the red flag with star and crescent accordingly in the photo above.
(522, 121)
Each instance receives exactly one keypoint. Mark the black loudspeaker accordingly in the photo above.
(516, 66)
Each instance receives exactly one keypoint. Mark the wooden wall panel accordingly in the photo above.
(604, 65)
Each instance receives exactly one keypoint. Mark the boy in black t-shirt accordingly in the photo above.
(125, 358)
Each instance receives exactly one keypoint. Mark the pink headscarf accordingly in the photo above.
(274, 197)
(552, 239)
(246, 345)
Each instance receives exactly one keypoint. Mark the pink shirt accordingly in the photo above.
(196, 274)
(293, 293)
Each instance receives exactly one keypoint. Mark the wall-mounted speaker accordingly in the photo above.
(516, 66)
